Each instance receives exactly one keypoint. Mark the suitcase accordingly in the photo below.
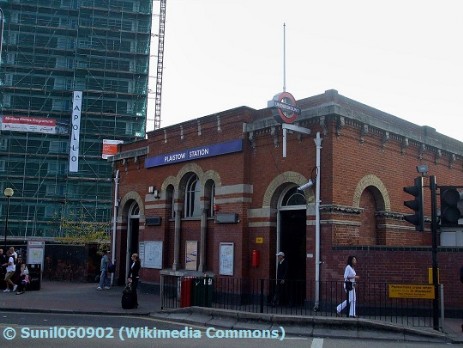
(128, 298)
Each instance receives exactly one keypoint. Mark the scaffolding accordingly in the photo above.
(157, 45)
(52, 48)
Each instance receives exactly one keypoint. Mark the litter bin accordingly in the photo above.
(185, 292)
(209, 291)
(35, 276)
(197, 296)
(203, 289)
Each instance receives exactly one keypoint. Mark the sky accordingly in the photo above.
(403, 57)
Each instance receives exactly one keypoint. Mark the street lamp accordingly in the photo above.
(8, 193)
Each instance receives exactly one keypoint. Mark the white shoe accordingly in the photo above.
(107, 288)
(14, 288)
(98, 288)
(6, 290)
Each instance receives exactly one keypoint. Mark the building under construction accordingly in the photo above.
(74, 74)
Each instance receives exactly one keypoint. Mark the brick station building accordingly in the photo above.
(216, 195)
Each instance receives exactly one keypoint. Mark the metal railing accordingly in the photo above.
(294, 298)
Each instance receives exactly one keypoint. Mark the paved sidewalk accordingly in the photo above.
(66, 297)
(77, 297)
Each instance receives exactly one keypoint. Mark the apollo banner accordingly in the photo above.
(75, 133)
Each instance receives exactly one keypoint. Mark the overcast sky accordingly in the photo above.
(404, 57)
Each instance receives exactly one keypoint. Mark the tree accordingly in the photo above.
(79, 231)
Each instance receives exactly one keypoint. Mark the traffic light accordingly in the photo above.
(417, 204)
(449, 206)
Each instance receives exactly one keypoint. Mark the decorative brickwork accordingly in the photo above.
(132, 196)
(284, 179)
(383, 202)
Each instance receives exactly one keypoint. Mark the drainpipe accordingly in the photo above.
(202, 243)
(178, 212)
(116, 206)
(318, 143)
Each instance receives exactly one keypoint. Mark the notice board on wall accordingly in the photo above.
(191, 255)
(150, 253)
(226, 258)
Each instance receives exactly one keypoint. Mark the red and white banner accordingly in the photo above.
(110, 147)
(28, 124)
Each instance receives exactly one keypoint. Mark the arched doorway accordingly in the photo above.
(292, 241)
(131, 240)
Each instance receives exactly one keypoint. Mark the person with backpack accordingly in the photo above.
(14, 254)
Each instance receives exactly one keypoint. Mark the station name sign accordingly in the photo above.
(195, 153)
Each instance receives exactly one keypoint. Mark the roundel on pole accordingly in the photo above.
(285, 104)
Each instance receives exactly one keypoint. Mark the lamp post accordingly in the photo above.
(8, 193)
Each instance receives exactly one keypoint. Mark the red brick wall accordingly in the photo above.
(388, 248)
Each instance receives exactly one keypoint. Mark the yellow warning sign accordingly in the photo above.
(411, 291)
(259, 240)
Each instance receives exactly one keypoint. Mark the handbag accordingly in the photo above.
(111, 267)
(348, 285)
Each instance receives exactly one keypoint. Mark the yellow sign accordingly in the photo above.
(411, 291)
(259, 240)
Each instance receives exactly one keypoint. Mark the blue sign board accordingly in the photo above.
(195, 153)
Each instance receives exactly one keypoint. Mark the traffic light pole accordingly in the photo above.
(435, 280)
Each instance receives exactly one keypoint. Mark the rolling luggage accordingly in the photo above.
(128, 298)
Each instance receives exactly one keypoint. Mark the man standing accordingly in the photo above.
(104, 280)
(282, 273)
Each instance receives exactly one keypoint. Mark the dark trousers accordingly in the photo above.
(134, 289)
(22, 286)
(279, 296)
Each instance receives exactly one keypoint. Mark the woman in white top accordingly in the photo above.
(349, 275)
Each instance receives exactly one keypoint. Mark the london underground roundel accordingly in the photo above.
(285, 104)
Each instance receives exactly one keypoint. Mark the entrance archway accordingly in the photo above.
(292, 241)
(131, 242)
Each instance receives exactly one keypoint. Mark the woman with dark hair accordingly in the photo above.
(350, 276)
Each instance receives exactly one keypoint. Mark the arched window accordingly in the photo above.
(192, 197)
(170, 201)
(293, 197)
(134, 210)
(210, 196)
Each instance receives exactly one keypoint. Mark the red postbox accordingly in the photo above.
(255, 258)
(185, 292)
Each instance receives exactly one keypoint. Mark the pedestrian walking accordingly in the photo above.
(10, 270)
(350, 277)
(14, 254)
(104, 280)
